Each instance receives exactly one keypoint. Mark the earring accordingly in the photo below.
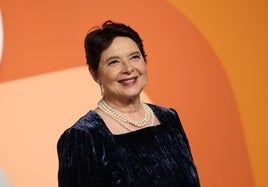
(102, 93)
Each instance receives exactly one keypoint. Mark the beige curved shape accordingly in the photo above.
(34, 113)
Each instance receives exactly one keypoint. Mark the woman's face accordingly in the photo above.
(122, 70)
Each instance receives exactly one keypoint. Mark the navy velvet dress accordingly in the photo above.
(90, 155)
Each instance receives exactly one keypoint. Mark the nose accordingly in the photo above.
(127, 67)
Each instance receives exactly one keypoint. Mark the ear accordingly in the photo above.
(93, 74)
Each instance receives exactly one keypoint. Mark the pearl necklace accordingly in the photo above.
(123, 120)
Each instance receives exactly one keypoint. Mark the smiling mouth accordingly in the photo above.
(128, 82)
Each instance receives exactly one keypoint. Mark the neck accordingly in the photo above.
(124, 105)
(123, 119)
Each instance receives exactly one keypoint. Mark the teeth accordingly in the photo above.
(128, 81)
(131, 80)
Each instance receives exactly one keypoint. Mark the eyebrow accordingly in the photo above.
(134, 53)
(111, 58)
(116, 57)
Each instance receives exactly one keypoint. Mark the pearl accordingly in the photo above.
(123, 120)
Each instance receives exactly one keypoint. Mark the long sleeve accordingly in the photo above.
(187, 150)
(180, 127)
(79, 165)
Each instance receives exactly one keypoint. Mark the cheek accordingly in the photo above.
(144, 70)
(107, 76)
(146, 77)
(144, 74)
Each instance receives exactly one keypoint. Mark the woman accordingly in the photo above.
(123, 142)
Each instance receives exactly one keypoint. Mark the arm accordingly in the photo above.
(187, 153)
(181, 130)
(78, 163)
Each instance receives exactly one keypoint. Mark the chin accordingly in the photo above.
(131, 95)
(131, 92)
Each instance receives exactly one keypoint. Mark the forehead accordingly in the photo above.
(120, 45)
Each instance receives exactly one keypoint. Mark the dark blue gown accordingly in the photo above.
(90, 155)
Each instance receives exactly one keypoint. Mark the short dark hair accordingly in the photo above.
(100, 38)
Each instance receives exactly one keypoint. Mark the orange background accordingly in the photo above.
(206, 59)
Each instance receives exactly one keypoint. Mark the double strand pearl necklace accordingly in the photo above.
(123, 120)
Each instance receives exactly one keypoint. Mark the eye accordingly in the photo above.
(135, 57)
(112, 62)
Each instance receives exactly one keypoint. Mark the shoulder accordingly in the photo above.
(163, 111)
(89, 122)
(86, 127)
(168, 116)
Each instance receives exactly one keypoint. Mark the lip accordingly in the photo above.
(128, 81)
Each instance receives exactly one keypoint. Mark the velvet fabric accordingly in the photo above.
(90, 155)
